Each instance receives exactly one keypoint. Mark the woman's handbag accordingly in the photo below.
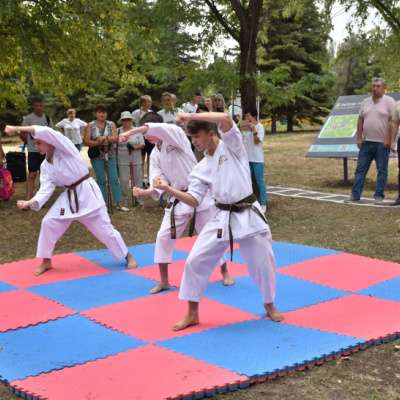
(93, 152)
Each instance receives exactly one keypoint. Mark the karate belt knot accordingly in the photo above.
(239, 206)
(173, 225)
(73, 188)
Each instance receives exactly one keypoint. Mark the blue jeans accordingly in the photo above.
(371, 151)
(99, 167)
(258, 169)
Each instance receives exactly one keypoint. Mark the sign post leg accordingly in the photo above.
(345, 171)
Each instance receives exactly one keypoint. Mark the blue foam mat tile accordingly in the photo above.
(388, 290)
(261, 347)
(85, 293)
(291, 294)
(6, 287)
(58, 344)
(289, 253)
(143, 255)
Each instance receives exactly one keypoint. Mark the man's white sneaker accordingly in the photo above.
(264, 209)
(378, 200)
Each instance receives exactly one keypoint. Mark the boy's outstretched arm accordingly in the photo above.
(217, 117)
(11, 129)
(124, 137)
(186, 198)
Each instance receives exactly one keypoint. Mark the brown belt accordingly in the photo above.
(239, 206)
(173, 225)
(73, 188)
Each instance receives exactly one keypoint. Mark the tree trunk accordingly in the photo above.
(273, 123)
(289, 123)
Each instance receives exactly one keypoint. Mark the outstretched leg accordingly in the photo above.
(164, 282)
(46, 264)
(228, 281)
(191, 318)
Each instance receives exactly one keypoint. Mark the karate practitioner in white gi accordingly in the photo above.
(82, 200)
(224, 171)
(172, 159)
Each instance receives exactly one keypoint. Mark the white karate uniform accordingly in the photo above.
(67, 168)
(173, 164)
(226, 174)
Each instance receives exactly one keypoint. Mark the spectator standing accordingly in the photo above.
(208, 102)
(71, 128)
(394, 128)
(373, 140)
(35, 159)
(102, 134)
(145, 104)
(2, 155)
(169, 112)
(252, 141)
(191, 106)
(174, 100)
(127, 153)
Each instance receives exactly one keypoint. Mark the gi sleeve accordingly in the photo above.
(198, 187)
(171, 134)
(233, 140)
(155, 170)
(46, 188)
(56, 139)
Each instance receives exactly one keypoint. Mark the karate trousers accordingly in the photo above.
(256, 251)
(164, 243)
(98, 222)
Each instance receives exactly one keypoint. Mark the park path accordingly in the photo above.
(323, 196)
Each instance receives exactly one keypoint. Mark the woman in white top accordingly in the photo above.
(128, 154)
(169, 112)
(252, 140)
(71, 128)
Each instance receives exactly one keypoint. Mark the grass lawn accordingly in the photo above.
(374, 232)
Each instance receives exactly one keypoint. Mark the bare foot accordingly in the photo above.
(131, 262)
(44, 267)
(159, 288)
(187, 320)
(273, 313)
(228, 281)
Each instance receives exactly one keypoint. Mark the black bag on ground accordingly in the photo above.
(16, 164)
(93, 152)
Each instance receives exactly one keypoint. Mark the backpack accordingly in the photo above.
(6, 184)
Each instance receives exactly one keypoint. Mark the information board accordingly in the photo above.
(338, 136)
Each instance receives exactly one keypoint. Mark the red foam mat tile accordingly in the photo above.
(186, 244)
(176, 268)
(160, 312)
(353, 315)
(65, 267)
(344, 271)
(36, 309)
(148, 372)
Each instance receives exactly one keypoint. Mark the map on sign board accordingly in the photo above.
(339, 126)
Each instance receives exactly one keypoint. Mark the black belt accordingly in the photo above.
(239, 206)
(73, 188)
(173, 225)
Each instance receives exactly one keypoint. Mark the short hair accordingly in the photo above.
(197, 93)
(142, 99)
(380, 80)
(37, 100)
(166, 94)
(71, 111)
(151, 116)
(194, 127)
(202, 107)
(100, 107)
(252, 111)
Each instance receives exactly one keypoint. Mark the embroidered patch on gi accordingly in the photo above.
(223, 159)
(62, 212)
(169, 205)
(170, 148)
(219, 234)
